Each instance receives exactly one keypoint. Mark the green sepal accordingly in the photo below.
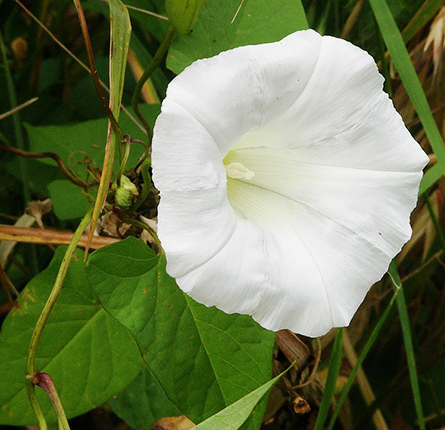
(124, 193)
(183, 13)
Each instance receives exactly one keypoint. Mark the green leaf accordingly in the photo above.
(258, 21)
(402, 62)
(69, 201)
(203, 358)
(40, 176)
(89, 355)
(81, 147)
(74, 142)
(136, 403)
(234, 416)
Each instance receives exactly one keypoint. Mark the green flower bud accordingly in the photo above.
(125, 193)
(183, 13)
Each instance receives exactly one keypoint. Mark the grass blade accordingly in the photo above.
(400, 56)
(120, 32)
(409, 348)
(436, 224)
(432, 175)
(363, 384)
(361, 358)
(423, 15)
(329, 391)
(236, 414)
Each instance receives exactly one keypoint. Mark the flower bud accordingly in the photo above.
(183, 13)
(124, 193)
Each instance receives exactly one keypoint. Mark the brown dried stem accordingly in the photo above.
(49, 237)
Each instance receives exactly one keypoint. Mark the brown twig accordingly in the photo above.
(4, 282)
(6, 307)
(48, 236)
(16, 109)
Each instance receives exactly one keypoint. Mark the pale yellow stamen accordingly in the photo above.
(239, 171)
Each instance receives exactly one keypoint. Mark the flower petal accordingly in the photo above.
(343, 118)
(241, 89)
(323, 176)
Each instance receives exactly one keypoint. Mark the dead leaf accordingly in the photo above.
(39, 208)
(174, 423)
(111, 223)
(293, 348)
(300, 405)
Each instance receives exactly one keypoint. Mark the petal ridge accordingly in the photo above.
(324, 215)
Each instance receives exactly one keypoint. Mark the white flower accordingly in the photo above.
(287, 180)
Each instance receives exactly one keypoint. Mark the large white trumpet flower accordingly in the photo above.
(287, 179)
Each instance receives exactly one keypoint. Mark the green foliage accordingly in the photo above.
(89, 355)
(258, 21)
(74, 142)
(69, 201)
(182, 14)
(334, 371)
(203, 359)
(408, 341)
(81, 147)
(233, 417)
(402, 61)
(143, 402)
(214, 368)
(120, 33)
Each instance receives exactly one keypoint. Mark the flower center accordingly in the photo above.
(238, 171)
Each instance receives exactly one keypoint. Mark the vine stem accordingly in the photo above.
(93, 69)
(43, 380)
(31, 371)
(52, 155)
(155, 63)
